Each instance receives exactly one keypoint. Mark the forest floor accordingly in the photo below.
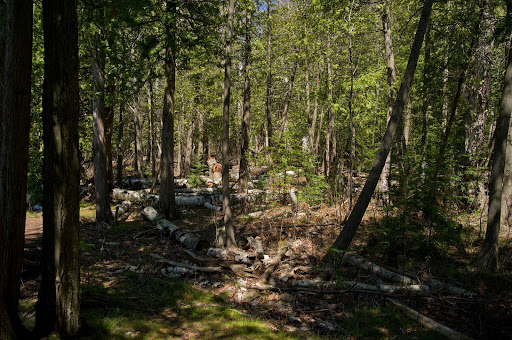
(127, 293)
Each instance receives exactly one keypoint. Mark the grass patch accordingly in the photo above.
(121, 228)
(167, 309)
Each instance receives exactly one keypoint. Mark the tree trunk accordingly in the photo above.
(167, 198)
(246, 119)
(426, 103)
(353, 70)
(98, 125)
(120, 141)
(315, 112)
(390, 59)
(330, 122)
(226, 234)
(268, 140)
(137, 129)
(152, 131)
(14, 160)
(349, 231)
(58, 307)
(288, 97)
(188, 149)
(320, 125)
(488, 257)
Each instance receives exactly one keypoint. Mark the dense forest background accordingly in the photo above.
(299, 101)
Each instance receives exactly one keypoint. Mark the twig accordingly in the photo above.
(188, 266)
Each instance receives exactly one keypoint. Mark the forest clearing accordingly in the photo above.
(255, 169)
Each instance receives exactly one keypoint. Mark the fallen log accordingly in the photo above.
(210, 206)
(187, 266)
(273, 264)
(189, 240)
(429, 323)
(384, 288)
(233, 255)
(364, 264)
(436, 284)
(121, 209)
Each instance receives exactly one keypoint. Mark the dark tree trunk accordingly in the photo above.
(137, 129)
(120, 141)
(246, 119)
(488, 257)
(331, 115)
(226, 234)
(187, 163)
(349, 231)
(167, 197)
(98, 115)
(58, 307)
(152, 131)
(109, 130)
(315, 112)
(14, 160)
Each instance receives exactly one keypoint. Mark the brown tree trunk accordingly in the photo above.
(315, 112)
(188, 149)
(98, 115)
(226, 234)
(152, 131)
(109, 130)
(350, 229)
(318, 134)
(488, 257)
(167, 197)
(120, 141)
(14, 160)
(426, 103)
(58, 307)
(330, 122)
(268, 140)
(246, 119)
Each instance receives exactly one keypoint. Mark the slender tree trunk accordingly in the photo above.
(287, 98)
(488, 257)
(137, 130)
(14, 160)
(120, 141)
(391, 69)
(318, 134)
(246, 119)
(226, 234)
(98, 115)
(353, 70)
(167, 197)
(330, 122)
(268, 140)
(312, 128)
(426, 103)
(188, 149)
(58, 307)
(152, 131)
(349, 231)
(6, 331)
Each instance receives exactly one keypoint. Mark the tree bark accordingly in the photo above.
(354, 220)
(58, 307)
(188, 149)
(137, 129)
(488, 257)
(288, 97)
(268, 140)
(226, 234)
(152, 131)
(391, 70)
(167, 198)
(330, 123)
(14, 160)
(315, 112)
(98, 125)
(246, 119)
(426, 103)
(120, 141)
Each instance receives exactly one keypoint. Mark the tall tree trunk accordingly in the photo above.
(137, 130)
(353, 70)
(354, 220)
(152, 131)
(14, 160)
(58, 307)
(268, 140)
(226, 234)
(426, 103)
(488, 257)
(391, 70)
(167, 197)
(6, 331)
(98, 115)
(188, 149)
(120, 141)
(330, 122)
(246, 119)
(288, 96)
(315, 112)
(318, 134)
(109, 131)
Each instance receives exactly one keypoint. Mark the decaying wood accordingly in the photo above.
(436, 284)
(364, 264)
(189, 240)
(232, 255)
(187, 266)
(121, 209)
(352, 285)
(210, 206)
(273, 264)
(256, 244)
(429, 323)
